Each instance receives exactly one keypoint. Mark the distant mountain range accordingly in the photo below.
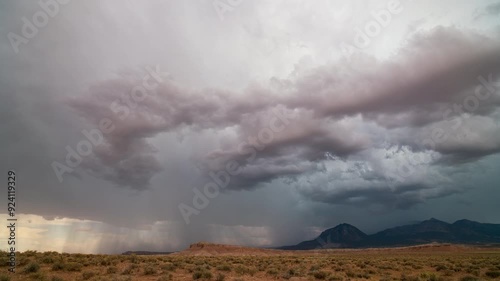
(429, 231)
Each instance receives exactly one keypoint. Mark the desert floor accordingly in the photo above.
(219, 262)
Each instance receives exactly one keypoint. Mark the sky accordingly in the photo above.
(151, 125)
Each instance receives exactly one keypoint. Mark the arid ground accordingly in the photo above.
(203, 261)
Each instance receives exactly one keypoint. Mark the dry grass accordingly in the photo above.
(404, 264)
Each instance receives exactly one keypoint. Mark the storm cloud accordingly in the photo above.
(392, 130)
(348, 110)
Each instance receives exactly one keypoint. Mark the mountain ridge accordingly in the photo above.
(428, 231)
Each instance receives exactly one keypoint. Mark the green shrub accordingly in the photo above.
(30, 253)
(32, 268)
(149, 270)
(57, 266)
(272, 272)
(242, 270)
(127, 271)
(207, 275)
(133, 258)
(434, 277)
(105, 262)
(469, 278)
(320, 275)
(112, 270)
(88, 274)
(22, 261)
(314, 268)
(168, 267)
(197, 275)
(47, 260)
(130, 269)
(73, 266)
(224, 267)
(492, 274)
(440, 267)
(202, 275)
(4, 278)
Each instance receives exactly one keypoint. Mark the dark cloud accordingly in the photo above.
(404, 197)
(490, 10)
(375, 134)
(328, 108)
(493, 9)
(436, 67)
